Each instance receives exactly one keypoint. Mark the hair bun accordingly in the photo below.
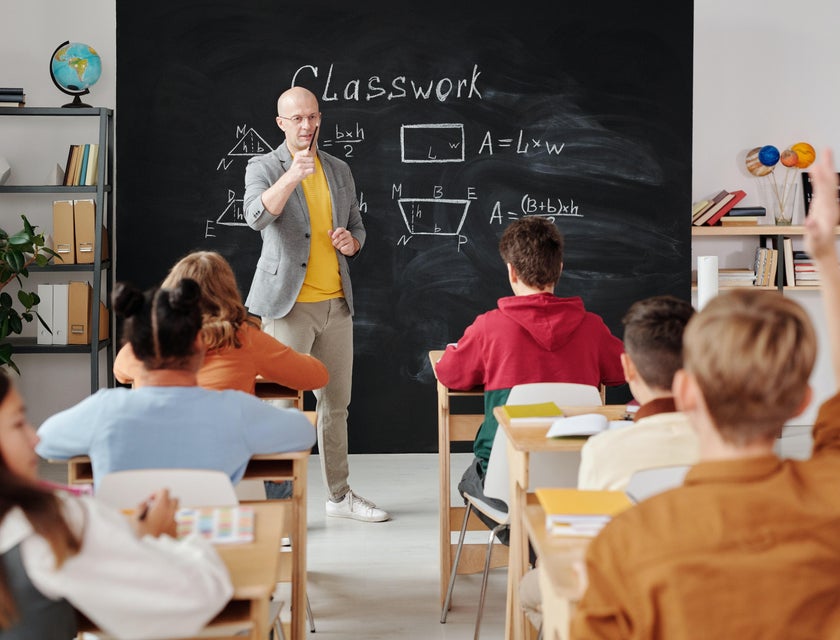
(185, 295)
(127, 299)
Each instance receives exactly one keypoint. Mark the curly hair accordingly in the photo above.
(534, 247)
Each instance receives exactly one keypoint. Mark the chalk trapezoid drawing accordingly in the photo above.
(432, 143)
(434, 216)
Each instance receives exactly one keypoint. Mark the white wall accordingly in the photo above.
(764, 73)
(756, 72)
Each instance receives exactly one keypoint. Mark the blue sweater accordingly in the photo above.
(173, 427)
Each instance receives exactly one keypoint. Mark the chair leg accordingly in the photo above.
(490, 542)
(454, 570)
(309, 615)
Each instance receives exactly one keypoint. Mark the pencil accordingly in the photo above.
(314, 135)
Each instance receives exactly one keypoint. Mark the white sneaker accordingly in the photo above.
(356, 507)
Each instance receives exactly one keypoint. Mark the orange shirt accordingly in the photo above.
(747, 548)
(231, 368)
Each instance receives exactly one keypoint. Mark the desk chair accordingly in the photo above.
(554, 469)
(193, 488)
(648, 482)
(495, 486)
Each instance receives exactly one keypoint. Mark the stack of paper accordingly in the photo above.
(573, 512)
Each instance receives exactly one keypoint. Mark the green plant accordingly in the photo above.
(17, 253)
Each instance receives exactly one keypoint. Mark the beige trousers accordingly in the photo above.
(325, 330)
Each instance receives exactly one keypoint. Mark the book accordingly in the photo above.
(72, 161)
(93, 162)
(737, 212)
(219, 525)
(6, 96)
(737, 196)
(787, 247)
(585, 424)
(771, 268)
(521, 415)
(11, 89)
(13, 103)
(739, 221)
(575, 512)
(698, 207)
(77, 168)
(712, 202)
(736, 277)
(84, 165)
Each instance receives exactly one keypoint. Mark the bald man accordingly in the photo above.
(303, 203)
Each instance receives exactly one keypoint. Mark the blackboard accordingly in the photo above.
(455, 120)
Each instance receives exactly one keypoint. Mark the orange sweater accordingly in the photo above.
(746, 548)
(230, 368)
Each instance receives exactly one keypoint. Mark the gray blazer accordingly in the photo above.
(286, 238)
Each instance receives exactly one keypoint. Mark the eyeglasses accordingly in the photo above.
(312, 118)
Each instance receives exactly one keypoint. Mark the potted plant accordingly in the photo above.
(17, 253)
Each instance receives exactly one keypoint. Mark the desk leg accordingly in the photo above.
(299, 550)
(259, 613)
(444, 506)
(518, 560)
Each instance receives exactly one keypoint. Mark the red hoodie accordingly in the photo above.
(533, 338)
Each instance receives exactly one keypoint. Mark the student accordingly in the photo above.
(169, 421)
(237, 349)
(748, 547)
(533, 336)
(61, 553)
(660, 435)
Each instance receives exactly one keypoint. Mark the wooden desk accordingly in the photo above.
(268, 390)
(560, 587)
(522, 441)
(276, 467)
(253, 569)
(457, 427)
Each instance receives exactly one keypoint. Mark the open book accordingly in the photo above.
(586, 424)
(219, 525)
(575, 512)
(521, 415)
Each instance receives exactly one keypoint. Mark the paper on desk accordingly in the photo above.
(585, 424)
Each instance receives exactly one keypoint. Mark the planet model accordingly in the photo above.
(789, 158)
(768, 155)
(806, 154)
(74, 68)
(754, 165)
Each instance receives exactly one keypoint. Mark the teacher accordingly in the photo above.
(303, 203)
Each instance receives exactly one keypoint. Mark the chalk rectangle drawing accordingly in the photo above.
(432, 143)
(433, 216)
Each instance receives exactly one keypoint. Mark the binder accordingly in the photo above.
(64, 236)
(45, 310)
(84, 222)
(79, 314)
(60, 301)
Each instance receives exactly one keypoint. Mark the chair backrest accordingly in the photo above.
(192, 487)
(648, 482)
(561, 393)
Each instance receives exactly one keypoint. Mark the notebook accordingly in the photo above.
(219, 525)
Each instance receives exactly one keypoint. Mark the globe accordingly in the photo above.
(74, 68)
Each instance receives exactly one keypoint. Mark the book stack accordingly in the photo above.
(82, 160)
(12, 97)
(736, 278)
(765, 266)
(805, 272)
(743, 216)
(708, 212)
(575, 512)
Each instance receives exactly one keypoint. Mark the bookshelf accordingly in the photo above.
(100, 271)
(757, 235)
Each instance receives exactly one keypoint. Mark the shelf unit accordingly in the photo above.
(763, 234)
(102, 194)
